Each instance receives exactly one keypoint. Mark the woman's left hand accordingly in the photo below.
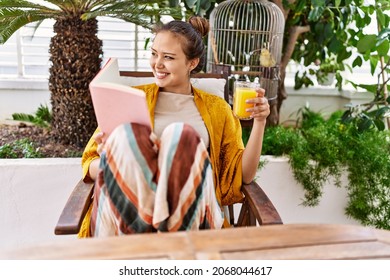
(261, 108)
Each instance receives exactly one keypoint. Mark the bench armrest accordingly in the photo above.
(75, 209)
(258, 207)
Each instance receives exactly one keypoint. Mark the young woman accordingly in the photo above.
(177, 176)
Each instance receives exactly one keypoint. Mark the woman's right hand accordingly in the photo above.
(100, 140)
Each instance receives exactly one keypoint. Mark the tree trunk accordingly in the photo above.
(76, 55)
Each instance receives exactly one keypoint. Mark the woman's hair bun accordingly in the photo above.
(200, 24)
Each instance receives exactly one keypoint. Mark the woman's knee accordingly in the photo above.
(179, 128)
(130, 137)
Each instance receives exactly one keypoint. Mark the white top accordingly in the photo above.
(174, 107)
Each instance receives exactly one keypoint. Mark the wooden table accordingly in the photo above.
(290, 241)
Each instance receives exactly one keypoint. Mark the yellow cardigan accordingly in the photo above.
(226, 146)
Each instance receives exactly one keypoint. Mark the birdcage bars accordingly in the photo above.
(247, 35)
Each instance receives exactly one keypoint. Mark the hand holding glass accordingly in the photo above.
(243, 90)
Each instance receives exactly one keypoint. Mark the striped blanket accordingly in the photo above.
(147, 184)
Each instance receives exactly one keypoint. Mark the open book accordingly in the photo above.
(115, 102)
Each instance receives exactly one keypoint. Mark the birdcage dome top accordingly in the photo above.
(240, 29)
(259, 15)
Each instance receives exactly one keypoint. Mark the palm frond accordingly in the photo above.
(93, 4)
(68, 5)
(23, 117)
(12, 20)
(43, 113)
(9, 27)
(21, 4)
(42, 117)
(36, 26)
(97, 4)
(138, 12)
(14, 14)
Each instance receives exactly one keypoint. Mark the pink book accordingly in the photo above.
(115, 102)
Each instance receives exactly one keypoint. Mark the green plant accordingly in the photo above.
(365, 116)
(330, 65)
(41, 118)
(20, 148)
(320, 149)
(325, 71)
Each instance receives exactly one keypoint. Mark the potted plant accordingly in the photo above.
(327, 70)
(324, 71)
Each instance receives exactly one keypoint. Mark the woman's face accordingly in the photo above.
(169, 64)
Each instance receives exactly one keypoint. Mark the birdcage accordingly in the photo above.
(247, 36)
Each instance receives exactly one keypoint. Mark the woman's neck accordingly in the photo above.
(182, 90)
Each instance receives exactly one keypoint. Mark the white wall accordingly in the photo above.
(320, 99)
(32, 195)
(34, 191)
(22, 96)
(286, 194)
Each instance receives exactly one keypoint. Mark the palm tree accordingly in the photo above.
(75, 51)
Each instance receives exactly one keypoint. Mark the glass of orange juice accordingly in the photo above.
(243, 90)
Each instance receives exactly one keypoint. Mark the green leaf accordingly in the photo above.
(205, 4)
(335, 45)
(381, 112)
(174, 3)
(320, 32)
(300, 6)
(147, 41)
(367, 19)
(383, 35)
(379, 125)
(318, 3)
(365, 124)
(357, 62)
(369, 88)
(328, 30)
(383, 48)
(366, 43)
(23, 117)
(316, 13)
(43, 113)
(360, 12)
(381, 18)
(373, 63)
(190, 3)
(337, 3)
(348, 2)
(343, 54)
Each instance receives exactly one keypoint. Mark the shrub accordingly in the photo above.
(320, 149)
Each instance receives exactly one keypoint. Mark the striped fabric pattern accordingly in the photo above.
(147, 184)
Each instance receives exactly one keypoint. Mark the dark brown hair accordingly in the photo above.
(192, 33)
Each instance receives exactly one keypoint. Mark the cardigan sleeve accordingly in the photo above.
(230, 158)
(90, 153)
(226, 146)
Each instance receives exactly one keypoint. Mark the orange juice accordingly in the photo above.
(241, 94)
